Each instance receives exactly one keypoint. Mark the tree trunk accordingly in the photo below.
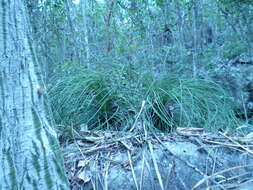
(195, 38)
(108, 19)
(84, 8)
(29, 151)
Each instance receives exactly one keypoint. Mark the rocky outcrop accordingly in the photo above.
(186, 159)
(237, 78)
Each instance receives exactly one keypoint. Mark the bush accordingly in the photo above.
(112, 100)
(81, 97)
(98, 99)
(179, 102)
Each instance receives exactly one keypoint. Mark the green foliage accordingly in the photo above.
(88, 97)
(109, 96)
(160, 3)
(235, 2)
(232, 49)
(179, 102)
(112, 100)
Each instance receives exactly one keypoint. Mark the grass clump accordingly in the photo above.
(96, 99)
(179, 102)
(82, 97)
(113, 100)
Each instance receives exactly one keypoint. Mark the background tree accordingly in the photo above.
(29, 151)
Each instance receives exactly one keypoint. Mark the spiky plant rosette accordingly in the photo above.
(179, 102)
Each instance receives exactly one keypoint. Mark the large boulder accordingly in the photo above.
(186, 159)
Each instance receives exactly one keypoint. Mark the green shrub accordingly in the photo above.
(113, 100)
(179, 102)
(81, 97)
(98, 99)
(233, 49)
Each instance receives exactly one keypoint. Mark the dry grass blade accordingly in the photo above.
(172, 167)
(219, 173)
(189, 131)
(225, 144)
(125, 145)
(241, 146)
(155, 165)
(142, 168)
(148, 167)
(107, 166)
(136, 120)
(233, 185)
(234, 177)
(132, 169)
(78, 147)
(95, 149)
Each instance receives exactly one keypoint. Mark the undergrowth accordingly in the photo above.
(121, 99)
(191, 103)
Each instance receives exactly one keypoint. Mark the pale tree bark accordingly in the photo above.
(74, 54)
(84, 8)
(29, 151)
(181, 22)
(195, 37)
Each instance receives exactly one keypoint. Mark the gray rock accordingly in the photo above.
(172, 163)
